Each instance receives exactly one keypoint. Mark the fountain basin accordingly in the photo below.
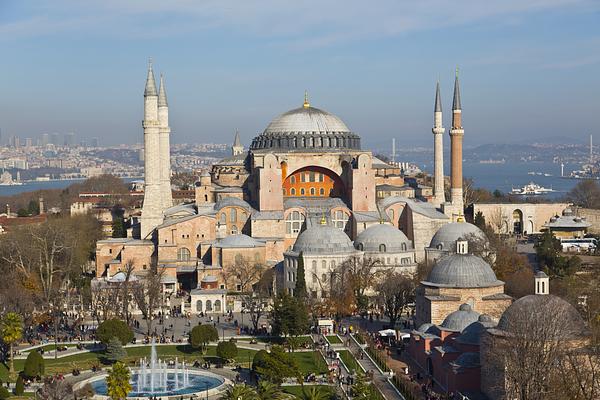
(199, 382)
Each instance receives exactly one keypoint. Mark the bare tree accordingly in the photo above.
(255, 302)
(148, 295)
(396, 292)
(126, 291)
(360, 274)
(245, 272)
(585, 194)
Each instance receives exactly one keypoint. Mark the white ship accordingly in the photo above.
(531, 189)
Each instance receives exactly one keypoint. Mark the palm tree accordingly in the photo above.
(315, 393)
(269, 391)
(240, 392)
(117, 381)
(11, 331)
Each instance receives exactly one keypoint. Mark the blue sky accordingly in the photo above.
(529, 69)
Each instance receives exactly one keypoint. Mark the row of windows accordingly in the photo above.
(303, 192)
(233, 217)
(383, 248)
(210, 306)
(309, 177)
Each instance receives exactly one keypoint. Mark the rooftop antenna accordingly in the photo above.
(393, 150)
(591, 149)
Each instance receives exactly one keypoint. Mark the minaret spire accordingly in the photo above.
(162, 94)
(236, 140)
(438, 130)
(456, 99)
(237, 147)
(150, 89)
(456, 150)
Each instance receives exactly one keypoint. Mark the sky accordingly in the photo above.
(529, 70)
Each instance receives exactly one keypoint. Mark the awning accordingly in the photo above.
(387, 332)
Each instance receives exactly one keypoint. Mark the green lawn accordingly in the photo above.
(310, 362)
(85, 361)
(297, 390)
(350, 361)
(334, 339)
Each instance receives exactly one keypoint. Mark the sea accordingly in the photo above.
(503, 177)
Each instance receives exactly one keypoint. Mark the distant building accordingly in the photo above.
(568, 225)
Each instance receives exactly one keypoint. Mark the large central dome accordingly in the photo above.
(308, 128)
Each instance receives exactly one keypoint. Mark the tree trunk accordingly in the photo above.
(12, 359)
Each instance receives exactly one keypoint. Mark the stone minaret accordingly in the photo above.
(438, 130)
(237, 147)
(456, 139)
(152, 209)
(165, 149)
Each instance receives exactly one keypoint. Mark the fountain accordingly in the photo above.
(156, 378)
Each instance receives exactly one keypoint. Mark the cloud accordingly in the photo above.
(311, 23)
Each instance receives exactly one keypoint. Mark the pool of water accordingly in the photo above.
(197, 383)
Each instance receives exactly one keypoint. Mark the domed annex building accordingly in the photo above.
(305, 187)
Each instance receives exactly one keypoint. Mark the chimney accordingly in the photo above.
(542, 283)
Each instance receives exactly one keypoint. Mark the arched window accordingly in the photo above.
(312, 191)
(223, 219)
(233, 215)
(332, 264)
(440, 246)
(234, 230)
(322, 192)
(199, 306)
(339, 219)
(208, 306)
(314, 265)
(293, 191)
(302, 193)
(183, 254)
(293, 222)
(217, 305)
(324, 278)
(403, 246)
(392, 214)
(360, 247)
(292, 179)
(382, 248)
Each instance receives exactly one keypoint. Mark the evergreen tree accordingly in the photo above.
(112, 328)
(289, 316)
(118, 227)
(227, 351)
(201, 335)
(33, 208)
(115, 351)
(4, 393)
(479, 220)
(20, 386)
(117, 382)
(34, 365)
(300, 289)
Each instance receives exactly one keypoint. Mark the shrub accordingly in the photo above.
(4, 393)
(259, 359)
(34, 365)
(227, 351)
(201, 335)
(112, 328)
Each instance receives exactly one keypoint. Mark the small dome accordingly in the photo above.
(521, 314)
(209, 279)
(472, 333)
(424, 327)
(459, 320)
(462, 271)
(445, 238)
(323, 239)
(567, 212)
(394, 240)
(239, 240)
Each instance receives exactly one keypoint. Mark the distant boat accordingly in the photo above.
(531, 189)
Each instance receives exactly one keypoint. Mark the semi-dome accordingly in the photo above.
(323, 239)
(306, 127)
(525, 312)
(392, 239)
(462, 271)
(458, 320)
(239, 240)
(445, 238)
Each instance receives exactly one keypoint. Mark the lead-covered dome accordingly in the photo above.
(323, 239)
(458, 320)
(306, 127)
(445, 238)
(462, 271)
(374, 237)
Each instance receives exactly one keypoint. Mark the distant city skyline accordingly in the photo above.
(528, 69)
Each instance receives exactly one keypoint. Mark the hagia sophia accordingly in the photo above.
(304, 188)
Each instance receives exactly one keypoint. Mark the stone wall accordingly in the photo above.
(592, 216)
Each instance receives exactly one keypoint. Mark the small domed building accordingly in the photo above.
(387, 244)
(456, 279)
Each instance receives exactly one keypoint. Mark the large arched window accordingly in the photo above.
(217, 305)
(382, 248)
(312, 191)
(293, 222)
(233, 215)
(339, 219)
(302, 192)
(183, 254)
(199, 306)
(360, 246)
(208, 306)
(293, 180)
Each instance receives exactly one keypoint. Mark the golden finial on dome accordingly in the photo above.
(323, 220)
(306, 103)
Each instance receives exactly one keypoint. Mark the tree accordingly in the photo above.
(585, 194)
(4, 393)
(227, 351)
(55, 388)
(360, 388)
(240, 392)
(117, 381)
(114, 328)
(118, 227)
(267, 391)
(148, 295)
(11, 331)
(396, 292)
(316, 393)
(289, 316)
(359, 274)
(256, 301)
(479, 220)
(300, 289)
(244, 272)
(34, 365)
(276, 366)
(548, 250)
(20, 386)
(201, 335)
(115, 351)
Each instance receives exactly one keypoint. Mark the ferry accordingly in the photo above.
(531, 189)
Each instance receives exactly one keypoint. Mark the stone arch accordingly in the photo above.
(315, 180)
(530, 227)
(199, 305)
(517, 221)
